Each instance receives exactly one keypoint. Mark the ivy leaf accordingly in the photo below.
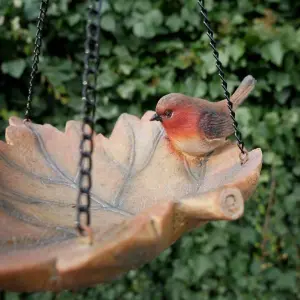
(214, 89)
(174, 23)
(14, 68)
(74, 19)
(149, 24)
(287, 281)
(108, 111)
(273, 52)
(279, 80)
(224, 57)
(57, 71)
(126, 69)
(190, 16)
(31, 9)
(108, 23)
(209, 62)
(126, 90)
(296, 170)
(244, 118)
(140, 30)
(12, 296)
(106, 79)
(237, 50)
(154, 18)
(182, 272)
(201, 89)
(283, 96)
(201, 265)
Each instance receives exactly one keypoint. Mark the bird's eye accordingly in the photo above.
(168, 114)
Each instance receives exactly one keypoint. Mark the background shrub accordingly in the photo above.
(148, 49)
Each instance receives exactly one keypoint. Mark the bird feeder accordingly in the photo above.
(143, 198)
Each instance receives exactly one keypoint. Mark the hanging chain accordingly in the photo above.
(35, 61)
(91, 63)
(237, 133)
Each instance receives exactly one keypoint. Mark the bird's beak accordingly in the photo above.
(156, 117)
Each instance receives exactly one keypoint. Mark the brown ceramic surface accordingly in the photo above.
(144, 198)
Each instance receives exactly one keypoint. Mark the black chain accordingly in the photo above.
(212, 43)
(37, 50)
(91, 63)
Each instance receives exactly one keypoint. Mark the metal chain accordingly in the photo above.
(37, 50)
(237, 133)
(91, 63)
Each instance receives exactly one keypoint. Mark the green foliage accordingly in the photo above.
(148, 49)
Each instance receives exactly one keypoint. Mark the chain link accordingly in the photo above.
(237, 133)
(91, 63)
(37, 50)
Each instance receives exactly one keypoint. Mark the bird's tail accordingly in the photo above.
(242, 92)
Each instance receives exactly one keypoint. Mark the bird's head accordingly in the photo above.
(178, 114)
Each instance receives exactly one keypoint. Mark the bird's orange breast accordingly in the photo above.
(183, 124)
(185, 134)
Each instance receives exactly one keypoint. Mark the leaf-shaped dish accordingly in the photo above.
(144, 198)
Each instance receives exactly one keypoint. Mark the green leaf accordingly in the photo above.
(140, 29)
(14, 68)
(154, 18)
(287, 281)
(106, 79)
(201, 265)
(169, 46)
(296, 170)
(121, 51)
(31, 9)
(57, 71)
(126, 90)
(209, 62)
(237, 49)
(255, 267)
(214, 89)
(63, 5)
(12, 296)
(74, 19)
(174, 23)
(282, 96)
(190, 16)
(201, 89)
(108, 23)
(273, 52)
(244, 118)
(237, 19)
(108, 111)
(224, 57)
(182, 273)
(41, 296)
(279, 79)
(126, 69)
(149, 25)
(105, 48)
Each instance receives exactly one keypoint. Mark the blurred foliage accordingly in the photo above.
(148, 49)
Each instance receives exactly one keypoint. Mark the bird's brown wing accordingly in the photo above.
(215, 121)
(215, 124)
